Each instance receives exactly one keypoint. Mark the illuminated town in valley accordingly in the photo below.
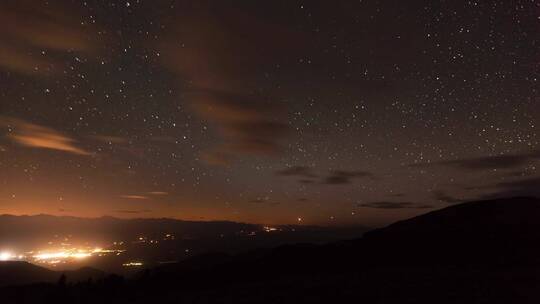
(63, 254)
(137, 251)
(53, 257)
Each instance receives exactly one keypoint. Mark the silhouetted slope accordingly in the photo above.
(478, 252)
(475, 231)
(507, 228)
(20, 273)
(12, 273)
(473, 251)
(83, 274)
(506, 217)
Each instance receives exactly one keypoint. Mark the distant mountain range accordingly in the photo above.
(477, 252)
(107, 229)
(151, 241)
(36, 230)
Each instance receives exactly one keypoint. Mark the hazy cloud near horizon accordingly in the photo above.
(36, 136)
(395, 205)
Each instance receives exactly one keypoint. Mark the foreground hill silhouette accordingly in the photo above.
(477, 252)
(12, 272)
(19, 273)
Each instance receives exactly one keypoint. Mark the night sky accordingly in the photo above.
(319, 112)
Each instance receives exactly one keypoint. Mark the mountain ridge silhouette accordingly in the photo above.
(475, 252)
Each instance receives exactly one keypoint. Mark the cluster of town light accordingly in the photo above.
(56, 256)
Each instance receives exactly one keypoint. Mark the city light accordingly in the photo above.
(57, 256)
(6, 256)
(61, 252)
(65, 255)
(62, 255)
(269, 229)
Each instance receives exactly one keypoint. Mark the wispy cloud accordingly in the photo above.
(298, 171)
(133, 211)
(246, 125)
(522, 187)
(37, 136)
(145, 196)
(394, 205)
(134, 197)
(335, 177)
(34, 35)
(340, 177)
(158, 193)
(249, 122)
(16, 59)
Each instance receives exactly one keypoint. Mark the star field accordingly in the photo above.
(342, 113)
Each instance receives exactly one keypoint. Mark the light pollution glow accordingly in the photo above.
(57, 256)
